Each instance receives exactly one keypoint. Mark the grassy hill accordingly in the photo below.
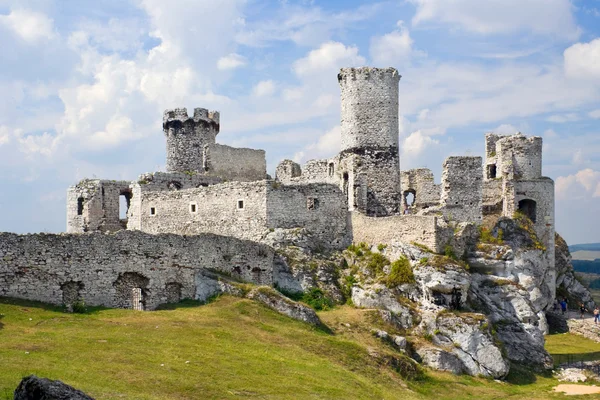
(231, 348)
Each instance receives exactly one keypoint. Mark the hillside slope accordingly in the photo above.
(230, 348)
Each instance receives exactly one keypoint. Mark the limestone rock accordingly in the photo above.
(34, 388)
(573, 375)
(276, 301)
(439, 359)
(379, 296)
(566, 283)
(435, 280)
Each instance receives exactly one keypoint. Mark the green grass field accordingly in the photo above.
(231, 348)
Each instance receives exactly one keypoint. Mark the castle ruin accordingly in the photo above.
(216, 208)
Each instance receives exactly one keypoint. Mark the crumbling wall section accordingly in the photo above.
(235, 164)
(462, 189)
(398, 228)
(100, 268)
(519, 157)
(420, 183)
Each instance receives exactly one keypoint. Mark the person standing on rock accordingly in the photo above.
(582, 309)
(596, 315)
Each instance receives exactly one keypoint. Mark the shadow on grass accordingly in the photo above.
(47, 307)
(572, 358)
(185, 303)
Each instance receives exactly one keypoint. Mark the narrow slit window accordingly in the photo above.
(152, 210)
(193, 208)
(80, 206)
(240, 204)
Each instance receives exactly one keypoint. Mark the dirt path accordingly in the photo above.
(583, 326)
(573, 390)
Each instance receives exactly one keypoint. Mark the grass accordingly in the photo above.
(229, 348)
(566, 346)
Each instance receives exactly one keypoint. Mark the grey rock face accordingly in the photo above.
(566, 283)
(283, 305)
(439, 359)
(34, 388)
(378, 296)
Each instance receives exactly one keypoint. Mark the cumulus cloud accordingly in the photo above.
(392, 49)
(231, 61)
(562, 118)
(29, 25)
(264, 88)
(542, 17)
(586, 182)
(594, 114)
(326, 146)
(416, 143)
(328, 58)
(582, 60)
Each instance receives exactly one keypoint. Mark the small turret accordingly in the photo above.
(187, 137)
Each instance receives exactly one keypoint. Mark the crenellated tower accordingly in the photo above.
(187, 138)
(369, 130)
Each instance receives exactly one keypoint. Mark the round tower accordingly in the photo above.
(369, 136)
(188, 136)
(369, 107)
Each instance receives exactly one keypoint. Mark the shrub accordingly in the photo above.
(449, 252)
(400, 273)
(317, 299)
(376, 263)
(79, 307)
(349, 281)
(381, 246)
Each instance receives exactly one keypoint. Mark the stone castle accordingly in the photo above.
(216, 209)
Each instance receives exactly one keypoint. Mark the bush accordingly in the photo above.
(317, 299)
(400, 273)
(79, 307)
(349, 281)
(381, 247)
(449, 252)
(376, 263)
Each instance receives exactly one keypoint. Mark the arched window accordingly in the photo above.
(528, 207)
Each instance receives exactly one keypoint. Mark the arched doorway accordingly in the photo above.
(529, 208)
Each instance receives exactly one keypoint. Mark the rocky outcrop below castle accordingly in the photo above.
(567, 284)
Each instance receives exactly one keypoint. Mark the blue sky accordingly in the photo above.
(84, 84)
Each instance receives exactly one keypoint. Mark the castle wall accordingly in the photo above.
(397, 228)
(519, 157)
(217, 210)
(320, 208)
(462, 189)
(104, 268)
(235, 164)
(492, 196)
(94, 205)
(421, 183)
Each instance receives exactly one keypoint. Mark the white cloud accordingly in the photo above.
(584, 183)
(594, 114)
(505, 129)
(582, 60)
(31, 26)
(326, 146)
(542, 17)
(264, 88)
(4, 135)
(416, 143)
(562, 118)
(328, 59)
(392, 49)
(231, 61)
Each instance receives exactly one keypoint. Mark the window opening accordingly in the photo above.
(152, 210)
(312, 203)
(345, 183)
(193, 208)
(80, 206)
(240, 204)
(331, 169)
(409, 197)
(124, 202)
(491, 171)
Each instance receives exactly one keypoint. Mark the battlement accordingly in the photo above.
(178, 117)
(369, 73)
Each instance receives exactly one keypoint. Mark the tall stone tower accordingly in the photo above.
(369, 126)
(187, 137)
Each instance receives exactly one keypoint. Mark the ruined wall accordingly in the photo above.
(235, 164)
(492, 196)
(187, 136)
(369, 130)
(397, 228)
(102, 269)
(93, 204)
(421, 184)
(542, 192)
(235, 209)
(320, 208)
(462, 189)
(287, 170)
(519, 157)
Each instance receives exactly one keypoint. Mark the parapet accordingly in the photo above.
(368, 73)
(179, 116)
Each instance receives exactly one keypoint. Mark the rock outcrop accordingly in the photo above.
(566, 284)
(275, 300)
(34, 388)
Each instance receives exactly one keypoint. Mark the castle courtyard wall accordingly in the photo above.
(235, 164)
(104, 268)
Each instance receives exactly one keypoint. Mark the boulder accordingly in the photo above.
(439, 359)
(566, 283)
(278, 302)
(379, 296)
(34, 388)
